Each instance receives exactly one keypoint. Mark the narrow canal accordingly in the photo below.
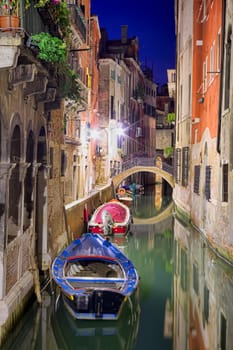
(183, 301)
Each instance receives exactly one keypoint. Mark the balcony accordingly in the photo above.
(78, 21)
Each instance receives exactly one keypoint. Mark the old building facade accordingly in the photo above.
(184, 30)
(203, 191)
(51, 161)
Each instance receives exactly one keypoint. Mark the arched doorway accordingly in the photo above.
(14, 186)
(41, 214)
(28, 182)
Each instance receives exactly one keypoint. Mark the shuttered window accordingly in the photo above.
(207, 182)
(196, 186)
(185, 166)
(206, 303)
(225, 183)
(178, 165)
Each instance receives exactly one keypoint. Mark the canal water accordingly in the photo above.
(184, 299)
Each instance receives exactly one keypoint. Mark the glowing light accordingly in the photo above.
(120, 131)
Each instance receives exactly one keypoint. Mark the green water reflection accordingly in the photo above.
(146, 319)
(114, 335)
(152, 254)
(152, 203)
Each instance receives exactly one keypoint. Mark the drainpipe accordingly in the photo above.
(221, 75)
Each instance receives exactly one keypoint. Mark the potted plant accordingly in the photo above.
(9, 14)
(53, 50)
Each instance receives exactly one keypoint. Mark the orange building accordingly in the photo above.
(206, 68)
(205, 174)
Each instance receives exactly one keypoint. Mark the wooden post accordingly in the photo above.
(36, 278)
(66, 226)
(35, 272)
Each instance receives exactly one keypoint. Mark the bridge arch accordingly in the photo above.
(116, 180)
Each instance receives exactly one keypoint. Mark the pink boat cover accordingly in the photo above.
(118, 212)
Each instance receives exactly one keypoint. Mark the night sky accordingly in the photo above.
(151, 21)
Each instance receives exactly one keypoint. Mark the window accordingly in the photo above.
(112, 108)
(207, 182)
(183, 270)
(206, 303)
(225, 183)
(223, 333)
(195, 278)
(78, 128)
(113, 75)
(212, 66)
(204, 72)
(196, 185)
(185, 166)
(63, 162)
(178, 165)
(204, 10)
(218, 51)
(173, 77)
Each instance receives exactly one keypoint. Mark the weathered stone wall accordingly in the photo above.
(164, 138)
(75, 211)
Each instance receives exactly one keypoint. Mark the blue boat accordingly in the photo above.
(95, 278)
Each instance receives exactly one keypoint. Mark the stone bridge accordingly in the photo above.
(144, 165)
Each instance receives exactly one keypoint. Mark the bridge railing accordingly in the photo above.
(142, 161)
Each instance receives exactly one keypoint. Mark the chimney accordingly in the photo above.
(124, 30)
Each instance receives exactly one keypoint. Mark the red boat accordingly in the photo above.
(111, 218)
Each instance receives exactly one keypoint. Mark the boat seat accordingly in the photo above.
(94, 269)
(75, 269)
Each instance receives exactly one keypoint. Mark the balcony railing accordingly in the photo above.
(78, 20)
(143, 161)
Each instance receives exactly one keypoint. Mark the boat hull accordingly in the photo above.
(116, 223)
(95, 278)
(98, 305)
